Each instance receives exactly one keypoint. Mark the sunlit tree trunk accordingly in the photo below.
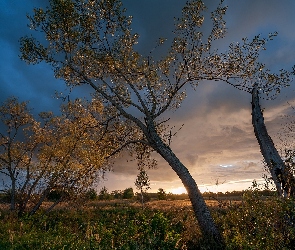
(283, 179)
(202, 213)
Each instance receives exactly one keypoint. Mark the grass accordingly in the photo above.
(253, 223)
(118, 226)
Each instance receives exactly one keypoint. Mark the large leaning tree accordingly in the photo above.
(280, 170)
(91, 42)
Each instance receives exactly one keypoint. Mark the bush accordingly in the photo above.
(55, 195)
(259, 223)
(5, 197)
(161, 194)
(104, 194)
(91, 194)
(128, 193)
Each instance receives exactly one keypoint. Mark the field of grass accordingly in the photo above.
(251, 223)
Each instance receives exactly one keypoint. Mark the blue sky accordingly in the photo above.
(217, 140)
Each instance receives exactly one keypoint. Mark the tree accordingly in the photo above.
(16, 147)
(117, 194)
(91, 194)
(281, 173)
(76, 148)
(128, 193)
(91, 43)
(142, 183)
(53, 157)
(104, 194)
(161, 194)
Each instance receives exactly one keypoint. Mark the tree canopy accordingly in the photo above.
(66, 154)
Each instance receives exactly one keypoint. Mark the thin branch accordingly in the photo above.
(126, 144)
(144, 110)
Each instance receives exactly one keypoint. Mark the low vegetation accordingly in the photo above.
(254, 221)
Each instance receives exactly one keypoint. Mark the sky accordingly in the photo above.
(216, 143)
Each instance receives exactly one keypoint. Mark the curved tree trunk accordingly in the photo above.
(281, 176)
(202, 213)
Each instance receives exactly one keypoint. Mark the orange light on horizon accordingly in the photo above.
(178, 190)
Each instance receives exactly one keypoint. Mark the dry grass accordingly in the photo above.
(164, 205)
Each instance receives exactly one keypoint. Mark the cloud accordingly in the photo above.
(217, 117)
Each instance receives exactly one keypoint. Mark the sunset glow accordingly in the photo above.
(178, 190)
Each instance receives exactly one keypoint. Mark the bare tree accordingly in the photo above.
(91, 43)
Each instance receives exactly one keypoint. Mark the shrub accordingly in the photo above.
(161, 194)
(259, 222)
(128, 193)
(5, 197)
(91, 194)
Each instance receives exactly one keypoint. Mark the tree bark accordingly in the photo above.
(39, 203)
(202, 213)
(13, 193)
(283, 179)
(141, 192)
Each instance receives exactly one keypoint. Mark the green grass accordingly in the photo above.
(254, 223)
(113, 228)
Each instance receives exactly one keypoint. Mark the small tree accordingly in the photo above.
(70, 140)
(128, 193)
(104, 194)
(161, 194)
(142, 183)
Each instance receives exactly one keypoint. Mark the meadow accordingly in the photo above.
(251, 222)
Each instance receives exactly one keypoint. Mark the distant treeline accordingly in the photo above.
(128, 193)
(237, 193)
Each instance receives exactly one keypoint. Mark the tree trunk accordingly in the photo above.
(13, 193)
(281, 176)
(141, 192)
(202, 213)
(39, 203)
